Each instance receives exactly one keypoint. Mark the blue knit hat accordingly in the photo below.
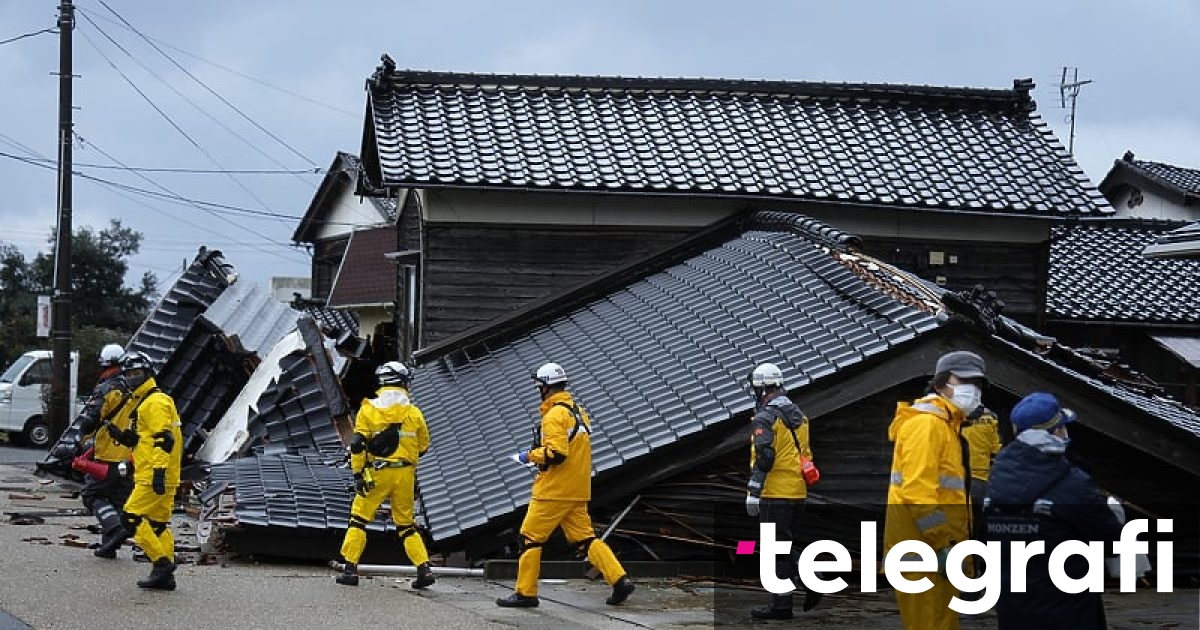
(1040, 410)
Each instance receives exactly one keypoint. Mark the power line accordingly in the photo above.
(18, 37)
(237, 73)
(193, 171)
(253, 146)
(205, 85)
(168, 196)
(163, 113)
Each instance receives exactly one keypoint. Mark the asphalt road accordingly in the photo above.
(20, 455)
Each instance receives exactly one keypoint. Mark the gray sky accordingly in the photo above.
(317, 53)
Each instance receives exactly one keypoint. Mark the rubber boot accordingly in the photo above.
(162, 576)
(779, 608)
(622, 589)
(349, 576)
(110, 542)
(424, 576)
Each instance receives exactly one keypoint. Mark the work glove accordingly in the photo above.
(159, 484)
(164, 440)
(362, 485)
(752, 505)
(521, 458)
(128, 437)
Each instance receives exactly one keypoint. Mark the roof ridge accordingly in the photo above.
(387, 78)
(807, 227)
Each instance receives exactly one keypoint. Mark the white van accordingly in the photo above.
(22, 411)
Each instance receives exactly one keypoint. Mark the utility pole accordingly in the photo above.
(1071, 90)
(60, 303)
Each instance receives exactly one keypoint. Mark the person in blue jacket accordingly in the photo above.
(1036, 494)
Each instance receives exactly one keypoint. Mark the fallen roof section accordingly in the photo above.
(924, 147)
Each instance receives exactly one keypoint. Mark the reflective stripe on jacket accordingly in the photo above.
(391, 406)
(927, 498)
(570, 479)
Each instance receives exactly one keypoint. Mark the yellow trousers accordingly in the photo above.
(929, 610)
(153, 515)
(395, 485)
(542, 518)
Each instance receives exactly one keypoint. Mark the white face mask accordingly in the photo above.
(966, 397)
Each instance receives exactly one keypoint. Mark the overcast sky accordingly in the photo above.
(296, 69)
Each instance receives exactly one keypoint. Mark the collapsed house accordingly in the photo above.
(658, 353)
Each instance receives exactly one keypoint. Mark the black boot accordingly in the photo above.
(517, 600)
(110, 542)
(162, 576)
(622, 589)
(779, 608)
(349, 576)
(424, 576)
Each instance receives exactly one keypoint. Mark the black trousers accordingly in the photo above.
(106, 497)
(785, 514)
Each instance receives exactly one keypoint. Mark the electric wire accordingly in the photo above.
(121, 189)
(162, 113)
(191, 171)
(205, 85)
(23, 36)
(253, 146)
(234, 72)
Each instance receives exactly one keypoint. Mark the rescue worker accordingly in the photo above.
(982, 433)
(562, 452)
(776, 491)
(390, 436)
(927, 497)
(106, 487)
(153, 432)
(1037, 495)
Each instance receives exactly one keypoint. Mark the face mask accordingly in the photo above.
(966, 397)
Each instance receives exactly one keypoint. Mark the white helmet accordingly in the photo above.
(766, 375)
(111, 354)
(393, 373)
(550, 374)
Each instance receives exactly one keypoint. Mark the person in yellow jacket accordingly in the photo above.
(982, 433)
(927, 497)
(390, 436)
(105, 493)
(154, 435)
(562, 452)
(776, 491)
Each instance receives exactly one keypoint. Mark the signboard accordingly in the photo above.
(43, 316)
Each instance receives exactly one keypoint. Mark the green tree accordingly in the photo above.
(99, 262)
(17, 305)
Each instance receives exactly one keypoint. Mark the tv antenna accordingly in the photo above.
(1071, 90)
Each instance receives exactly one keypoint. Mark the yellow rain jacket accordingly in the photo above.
(774, 457)
(391, 406)
(983, 438)
(153, 412)
(107, 449)
(927, 498)
(564, 452)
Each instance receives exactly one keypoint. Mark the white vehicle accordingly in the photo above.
(22, 410)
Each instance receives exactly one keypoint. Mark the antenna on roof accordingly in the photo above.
(1071, 90)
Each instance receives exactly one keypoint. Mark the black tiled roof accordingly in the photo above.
(1182, 184)
(655, 361)
(1097, 272)
(199, 286)
(964, 149)
(291, 491)
(1183, 179)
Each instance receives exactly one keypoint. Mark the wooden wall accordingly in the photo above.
(1015, 271)
(474, 273)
